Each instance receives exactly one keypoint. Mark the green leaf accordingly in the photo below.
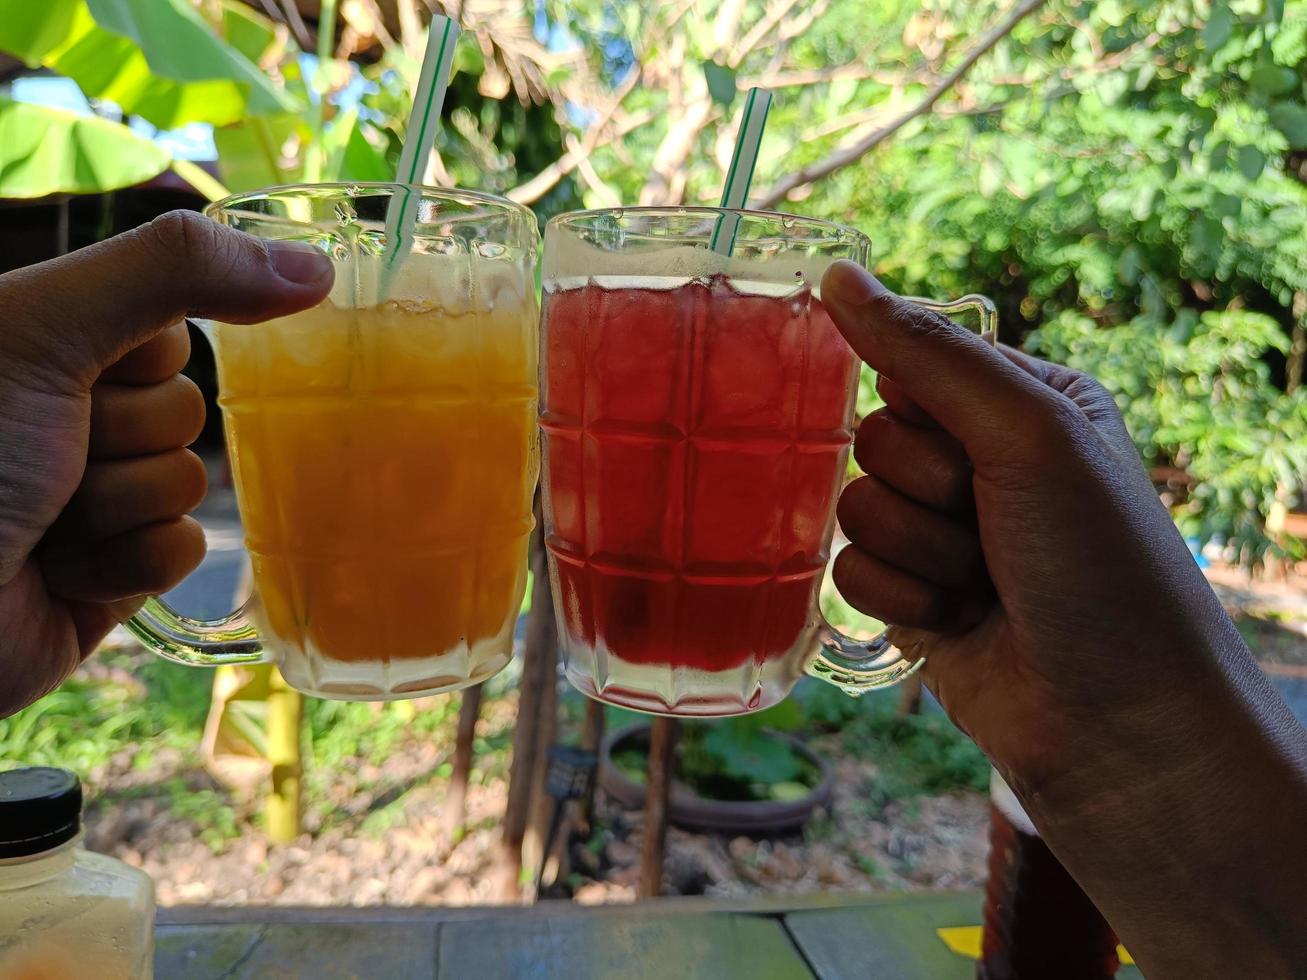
(1273, 79)
(248, 152)
(107, 66)
(1219, 27)
(178, 44)
(1206, 235)
(469, 58)
(349, 154)
(51, 151)
(753, 756)
(721, 82)
(1251, 161)
(1290, 118)
(29, 30)
(1227, 205)
(248, 32)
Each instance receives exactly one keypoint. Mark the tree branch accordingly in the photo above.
(818, 76)
(543, 182)
(852, 152)
(760, 30)
(547, 179)
(666, 181)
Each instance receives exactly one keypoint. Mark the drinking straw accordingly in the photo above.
(740, 173)
(423, 121)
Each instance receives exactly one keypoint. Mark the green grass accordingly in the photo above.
(915, 755)
(131, 705)
(144, 704)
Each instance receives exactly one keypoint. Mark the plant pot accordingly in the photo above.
(692, 812)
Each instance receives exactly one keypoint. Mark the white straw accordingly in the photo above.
(739, 176)
(423, 122)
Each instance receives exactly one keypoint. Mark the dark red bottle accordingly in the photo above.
(1038, 922)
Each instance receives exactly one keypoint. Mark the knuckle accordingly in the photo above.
(181, 234)
(192, 241)
(1057, 427)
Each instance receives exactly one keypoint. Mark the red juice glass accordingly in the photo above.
(697, 411)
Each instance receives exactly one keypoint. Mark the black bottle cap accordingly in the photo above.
(40, 808)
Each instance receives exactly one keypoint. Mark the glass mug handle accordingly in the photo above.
(858, 666)
(231, 639)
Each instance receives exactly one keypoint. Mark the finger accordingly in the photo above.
(144, 561)
(120, 495)
(894, 596)
(158, 359)
(136, 421)
(179, 264)
(901, 405)
(94, 620)
(883, 523)
(990, 404)
(927, 465)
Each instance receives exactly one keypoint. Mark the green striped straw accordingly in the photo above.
(423, 121)
(740, 174)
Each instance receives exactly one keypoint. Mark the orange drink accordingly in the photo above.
(384, 446)
(385, 460)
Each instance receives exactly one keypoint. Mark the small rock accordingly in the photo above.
(604, 893)
(621, 853)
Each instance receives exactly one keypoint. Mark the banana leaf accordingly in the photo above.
(50, 151)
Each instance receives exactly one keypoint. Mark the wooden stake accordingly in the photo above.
(592, 733)
(536, 686)
(541, 810)
(910, 696)
(662, 769)
(456, 803)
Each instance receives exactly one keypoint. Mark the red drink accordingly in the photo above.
(696, 433)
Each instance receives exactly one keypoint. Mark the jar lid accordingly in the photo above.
(40, 808)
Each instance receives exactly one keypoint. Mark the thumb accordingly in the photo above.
(973, 391)
(83, 311)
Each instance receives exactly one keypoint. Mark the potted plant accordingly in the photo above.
(747, 774)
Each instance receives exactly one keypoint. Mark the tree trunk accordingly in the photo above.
(456, 803)
(662, 767)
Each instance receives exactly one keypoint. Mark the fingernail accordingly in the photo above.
(851, 284)
(299, 262)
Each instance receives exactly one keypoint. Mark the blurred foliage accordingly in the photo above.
(131, 715)
(914, 754)
(741, 758)
(1127, 175)
(278, 114)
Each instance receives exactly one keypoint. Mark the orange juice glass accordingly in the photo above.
(384, 448)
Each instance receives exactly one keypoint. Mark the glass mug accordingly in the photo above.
(384, 448)
(697, 412)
